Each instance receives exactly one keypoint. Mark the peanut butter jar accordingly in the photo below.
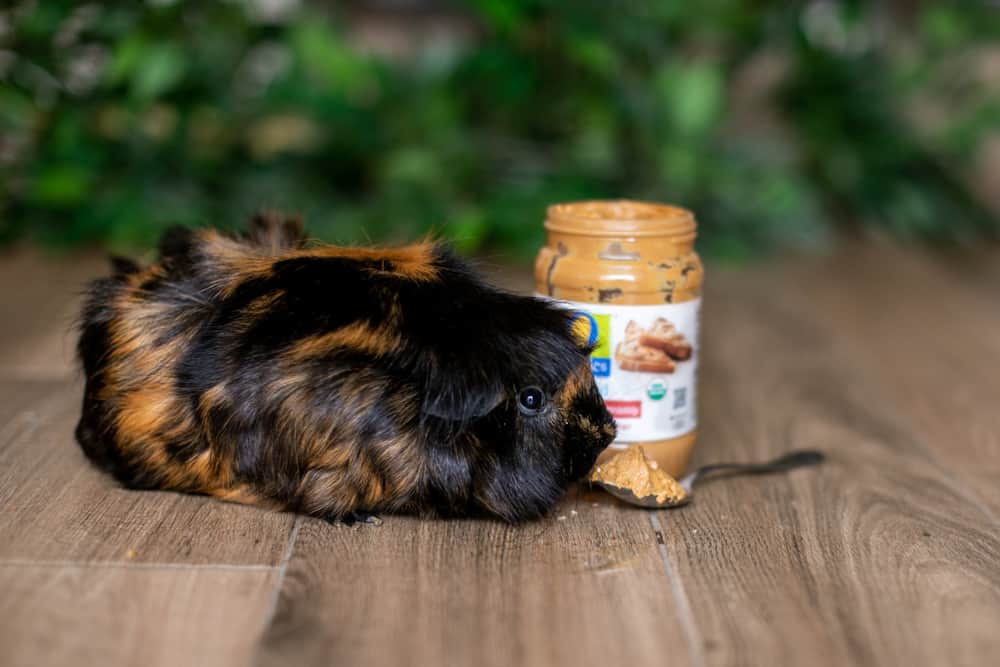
(629, 271)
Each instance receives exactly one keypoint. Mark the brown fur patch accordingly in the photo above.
(404, 462)
(240, 261)
(578, 381)
(234, 260)
(205, 468)
(344, 476)
(414, 262)
(150, 417)
(213, 397)
(256, 309)
(358, 336)
(327, 492)
(145, 411)
(242, 494)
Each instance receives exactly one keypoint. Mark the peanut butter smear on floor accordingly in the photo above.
(635, 471)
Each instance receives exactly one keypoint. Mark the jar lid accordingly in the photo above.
(620, 217)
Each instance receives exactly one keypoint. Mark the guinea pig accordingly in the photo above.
(338, 382)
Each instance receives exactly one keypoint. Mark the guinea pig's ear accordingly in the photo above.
(584, 330)
(457, 397)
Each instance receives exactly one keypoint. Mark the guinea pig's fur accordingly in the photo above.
(333, 381)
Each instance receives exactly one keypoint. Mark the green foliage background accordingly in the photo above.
(776, 122)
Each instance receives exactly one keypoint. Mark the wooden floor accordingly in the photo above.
(888, 360)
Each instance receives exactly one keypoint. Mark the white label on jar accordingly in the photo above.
(645, 365)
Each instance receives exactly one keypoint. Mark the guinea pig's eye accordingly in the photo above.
(531, 399)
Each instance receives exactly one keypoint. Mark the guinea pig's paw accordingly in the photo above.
(353, 518)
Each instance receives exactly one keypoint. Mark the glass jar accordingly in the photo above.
(630, 271)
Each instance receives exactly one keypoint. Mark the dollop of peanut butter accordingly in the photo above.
(634, 470)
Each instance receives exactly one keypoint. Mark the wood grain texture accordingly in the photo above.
(39, 302)
(879, 557)
(86, 615)
(926, 344)
(977, 270)
(55, 506)
(887, 555)
(589, 588)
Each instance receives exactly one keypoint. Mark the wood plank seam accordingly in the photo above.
(125, 565)
(151, 617)
(688, 625)
(272, 606)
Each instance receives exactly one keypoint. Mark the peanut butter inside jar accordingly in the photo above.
(629, 271)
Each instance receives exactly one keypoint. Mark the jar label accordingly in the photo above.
(645, 363)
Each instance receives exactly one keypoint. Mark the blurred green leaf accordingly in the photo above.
(16, 108)
(61, 185)
(500, 14)
(158, 69)
(329, 61)
(125, 58)
(692, 96)
(467, 229)
(942, 24)
(777, 123)
(594, 54)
